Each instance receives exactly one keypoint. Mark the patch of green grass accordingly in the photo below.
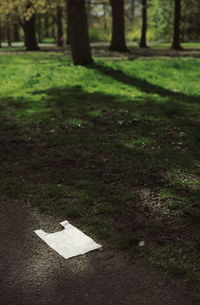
(101, 229)
(178, 261)
(72, 212)
(186, 45)
(128, 242)
(12, 187)
(56, 191)
(176, 269)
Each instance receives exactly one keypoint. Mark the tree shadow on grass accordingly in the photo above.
(100, 160)
(143, 85)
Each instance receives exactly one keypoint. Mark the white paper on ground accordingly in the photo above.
(68, 242)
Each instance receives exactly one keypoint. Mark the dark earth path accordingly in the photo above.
(33, 274)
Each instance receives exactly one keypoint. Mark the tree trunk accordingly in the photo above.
(30, 34)
(46, 25)
(143, 41)
(68, 30)
(79, 38)
(8, 33)
(118, 42)
(68, 35)
(39, 28)
(16, 32)
(176, 44)
(132, 8)
(0, 37)
(53, 31)
(60, 41)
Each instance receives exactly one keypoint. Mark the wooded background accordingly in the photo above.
(115, 21)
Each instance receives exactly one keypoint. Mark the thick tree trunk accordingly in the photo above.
(79, 38)
(60, 41)
(118, 42)
(143, 41)
(30, 34)
(176, 44)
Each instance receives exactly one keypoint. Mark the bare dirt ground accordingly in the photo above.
(101, 50)
(31, 273)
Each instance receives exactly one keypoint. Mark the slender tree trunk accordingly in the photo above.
(118, 42)
(143, 41)
(8, 33)
(176, 44)
(79, 38)
(60, 41)
(68, 30)
(39, 28)
(46, 25)
(30, 34)
(105, 26)
(0, 37)
(53, 31)
(68, 35)
(1, 34)
(9, 37)
(132, 7)
(16, 32)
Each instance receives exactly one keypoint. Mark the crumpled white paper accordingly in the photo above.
(68, 242)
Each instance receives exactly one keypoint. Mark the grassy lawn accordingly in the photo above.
(185, 45)
(113, 148)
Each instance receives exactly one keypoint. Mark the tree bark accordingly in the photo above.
(143, 41)
(30, 34)
(60, 41)
(8, 33)
(0, 37)
(46, 25)
(132, 8)
(79, 38)
(118, 42)
(16, 31)
(176, 43)
(68, 30)
(39, 28)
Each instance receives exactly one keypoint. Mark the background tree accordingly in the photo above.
(60, 40)
(143, 41)
(190, 17)
(30, 33)
(118, 42)
(176, 43)
(108, 20)
(79, 38)
(26, 11)
(8, 31)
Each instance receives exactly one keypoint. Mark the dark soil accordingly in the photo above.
(31, 273)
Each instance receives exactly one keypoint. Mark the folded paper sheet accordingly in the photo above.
(68, 242)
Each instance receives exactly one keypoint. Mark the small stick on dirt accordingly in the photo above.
(185, 243)
(28, 203)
